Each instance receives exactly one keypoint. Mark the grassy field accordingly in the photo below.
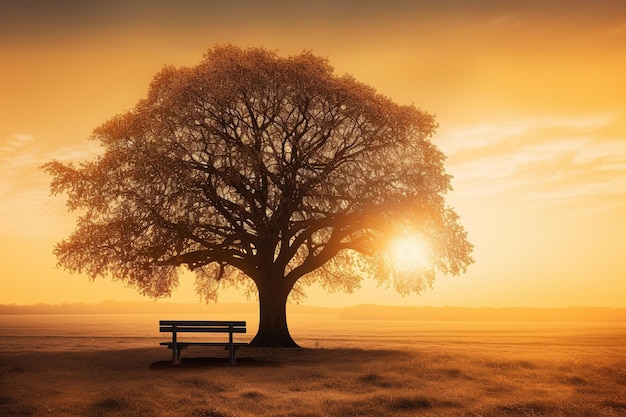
(113, 366)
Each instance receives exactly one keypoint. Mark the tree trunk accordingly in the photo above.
(273, 330)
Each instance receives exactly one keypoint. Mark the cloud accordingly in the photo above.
(19, 138)
(616, 30)
(17, 152)
(580, 162)
(511, 20)
(25, 203)
(463, 138)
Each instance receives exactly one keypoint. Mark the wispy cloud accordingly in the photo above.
(616, 30)
(25, 203)
(510, 20)
(576, 161)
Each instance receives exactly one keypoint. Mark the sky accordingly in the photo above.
(529, 97)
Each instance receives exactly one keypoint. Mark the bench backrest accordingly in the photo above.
(200, 326)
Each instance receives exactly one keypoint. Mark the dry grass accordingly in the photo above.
(470, 371)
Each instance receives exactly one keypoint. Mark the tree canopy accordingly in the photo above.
(265, 172)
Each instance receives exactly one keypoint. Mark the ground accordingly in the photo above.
(351, 368)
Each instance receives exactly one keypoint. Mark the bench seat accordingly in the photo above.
(183, 345)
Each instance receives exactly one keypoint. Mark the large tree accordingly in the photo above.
(265, 172)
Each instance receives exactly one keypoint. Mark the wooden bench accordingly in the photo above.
(199, 326)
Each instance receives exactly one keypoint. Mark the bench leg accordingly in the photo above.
(231, 355)
(176, 356)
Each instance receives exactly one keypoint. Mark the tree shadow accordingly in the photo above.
(158, 358)
(256, 357)
(195, 362)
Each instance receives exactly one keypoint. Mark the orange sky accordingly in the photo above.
(530, 99)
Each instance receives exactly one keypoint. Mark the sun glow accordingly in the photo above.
(409, 252)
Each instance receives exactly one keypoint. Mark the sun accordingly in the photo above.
(409, 252)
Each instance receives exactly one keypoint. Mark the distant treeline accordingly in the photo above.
(359, 312)
(570, 314)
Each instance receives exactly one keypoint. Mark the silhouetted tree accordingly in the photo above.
(262, 171)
